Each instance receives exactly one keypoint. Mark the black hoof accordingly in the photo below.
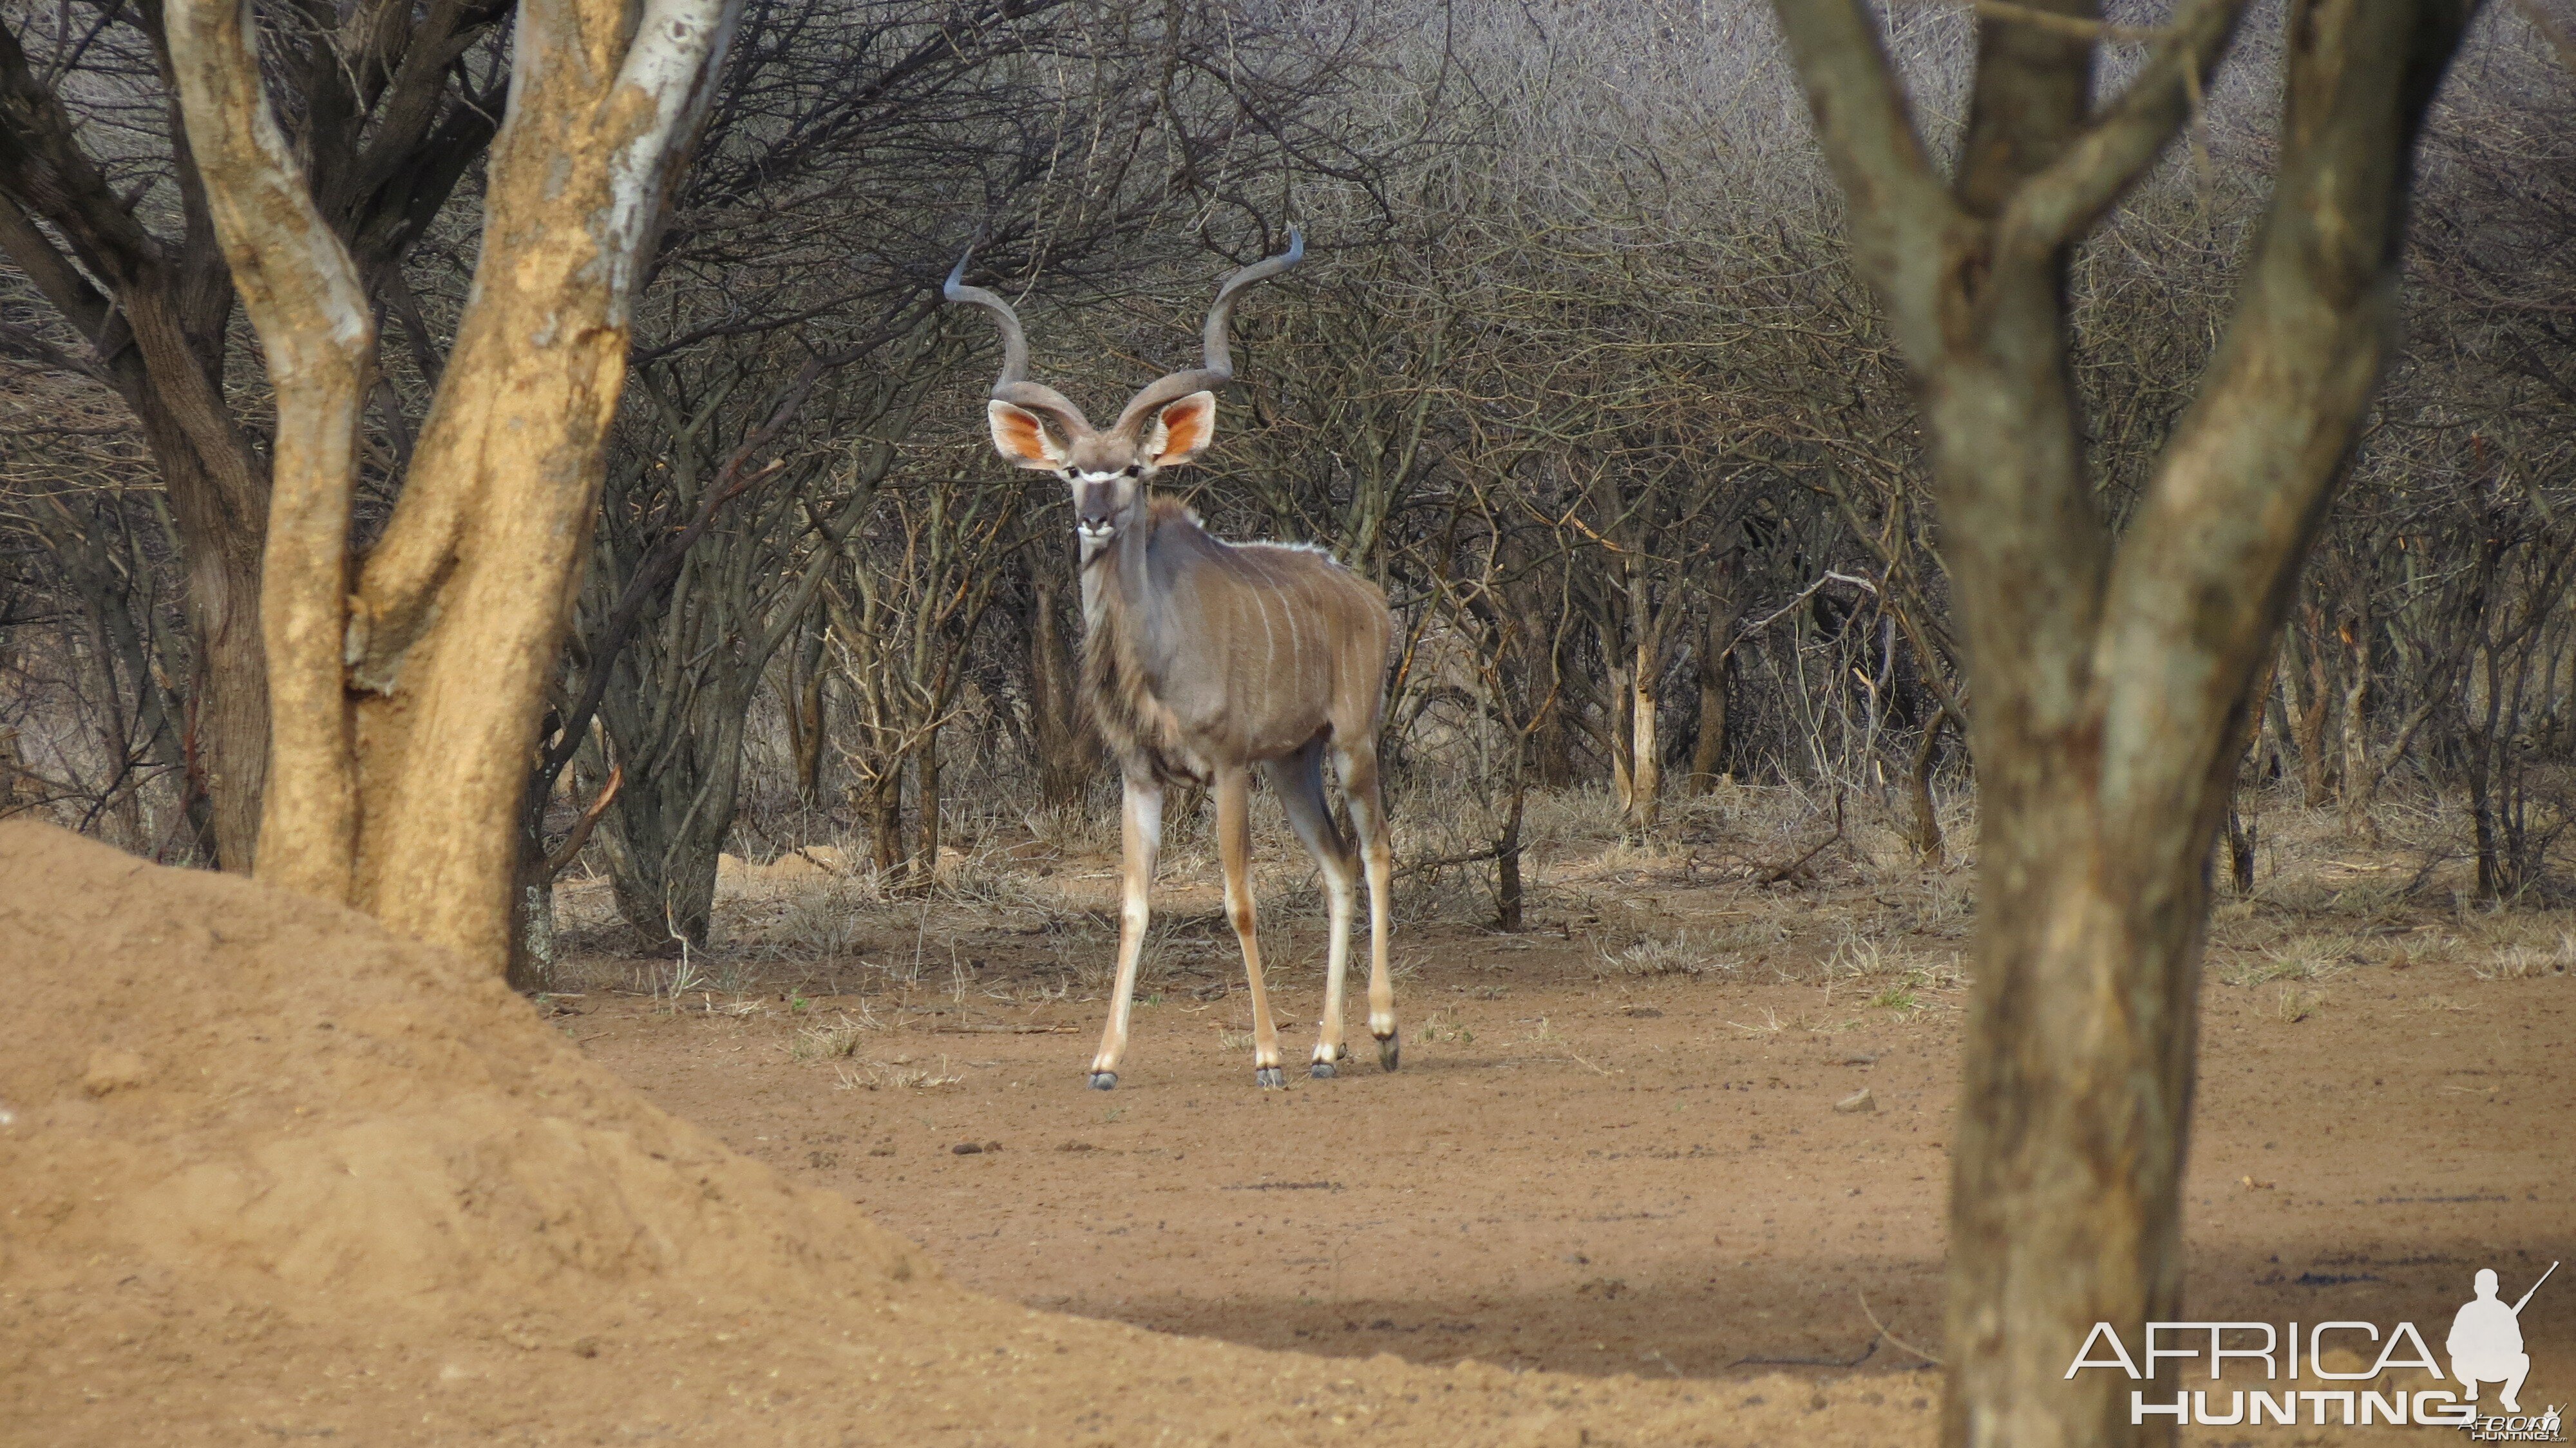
(1389, 1048)
(1321, 1070)
(1104, 1080)
(1269, 1078)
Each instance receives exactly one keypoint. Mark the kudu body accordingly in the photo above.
(1203, 660)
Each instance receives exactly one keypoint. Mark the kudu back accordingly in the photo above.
(1204, 659)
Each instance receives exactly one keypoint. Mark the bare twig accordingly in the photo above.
(1775, 876)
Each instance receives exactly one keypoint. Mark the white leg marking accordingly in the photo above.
(1141, 819)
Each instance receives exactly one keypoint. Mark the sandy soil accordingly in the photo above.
(272, 1175)
(1586, 1169)
(1598, 1179)
(267, 1174)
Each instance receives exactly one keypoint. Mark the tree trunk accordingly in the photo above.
(804, 709)
(1551, 750)
(925, 808)
(1925, 824)
(882, 807)
(2245, 826)
(2316, 783)
(1068, 750)
(1620, 699)
(1716, 685)
(406, 708)
(221, 563)
(1507, 858)
(1645, 682)
(532, 900)
(2111, 677)
(2357, 775)
(2244, 836)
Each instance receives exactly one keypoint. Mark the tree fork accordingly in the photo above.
(407, 698)
(2111, 681)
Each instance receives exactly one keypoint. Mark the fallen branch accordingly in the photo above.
(1891, 1337)
(1774, 877)
(1490, 852)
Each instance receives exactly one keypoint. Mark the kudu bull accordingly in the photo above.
(1202, 659)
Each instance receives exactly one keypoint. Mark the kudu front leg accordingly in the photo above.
(1141, 830)
(1234, 848)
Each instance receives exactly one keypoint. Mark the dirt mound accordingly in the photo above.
(269, 1171)
(246, 1085)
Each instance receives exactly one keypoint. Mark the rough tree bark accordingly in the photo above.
(1069, 751)
(158, 326)
(2309, 690)
(407, 705)
(2111, 681)
(388, 126)
(2354, 632)
(800, 699)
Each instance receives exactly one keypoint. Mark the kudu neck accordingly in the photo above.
(1114, 576)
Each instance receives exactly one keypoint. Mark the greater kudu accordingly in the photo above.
(1203, 658)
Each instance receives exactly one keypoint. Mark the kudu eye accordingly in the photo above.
(1133, 469)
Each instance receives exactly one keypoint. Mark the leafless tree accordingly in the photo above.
(103, 208)
(2111, 673)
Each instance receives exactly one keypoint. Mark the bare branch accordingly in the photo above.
(2067, 198)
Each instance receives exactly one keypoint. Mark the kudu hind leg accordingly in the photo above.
(1368, 818)
(1299, 781)
(1234, 848)
(1141, 826)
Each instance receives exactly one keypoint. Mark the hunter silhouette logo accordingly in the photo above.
(2486, 1341)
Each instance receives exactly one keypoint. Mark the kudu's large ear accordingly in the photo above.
(1182, 430)
(1021, 438)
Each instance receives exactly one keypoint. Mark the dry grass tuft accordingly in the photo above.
(838, 1040)
(1676, 955)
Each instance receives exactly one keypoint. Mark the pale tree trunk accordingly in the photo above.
(1618, 738)
(2111, 680)
(1646, 778)
(405, 706)
(1645, 680)
(390, 122)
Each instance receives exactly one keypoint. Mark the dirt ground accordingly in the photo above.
(1614, 1147)
(268, 1174)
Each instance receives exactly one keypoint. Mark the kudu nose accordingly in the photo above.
(1096, 509)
